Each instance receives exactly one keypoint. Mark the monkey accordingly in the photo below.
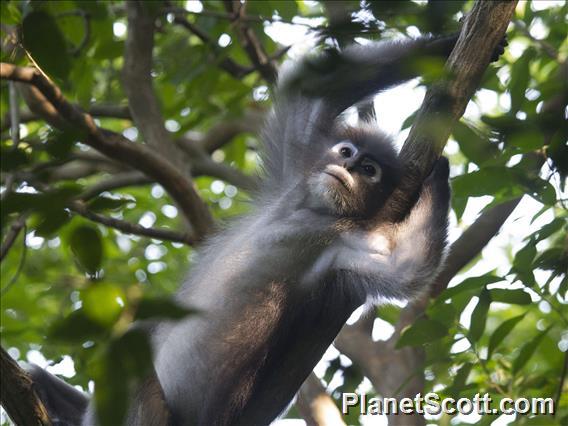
(275, 287)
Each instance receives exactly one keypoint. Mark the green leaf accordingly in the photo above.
(87, 247)
(458, 205)
(479, 316)
(550, 228)
(75, 328)
(389, 313)
(13, 158)
(460, 379)
(524, 257)
(102, 203)
(515, 296)
(474, 146)
(162, 308)
(423, 331)
(501, 332)
(558, 153)
(470, 285)
(126, 363)
(542, 191)
(527, 141)
(103, 303)
(487, 181)
(553, 259)
(527, 350)
(444, 312)
(519, 81)
(60, 143)
(51, 222)
(46, 44)
(10, 14)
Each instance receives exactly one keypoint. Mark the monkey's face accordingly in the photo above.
(347, 182)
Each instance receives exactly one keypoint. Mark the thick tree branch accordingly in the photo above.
(316, 406)
(203, 164)
(95, 110)
(472, 241)
(137, 82)
(443, 105)
(117, 147)
(445, 102)
(224, 131)
(18, 396)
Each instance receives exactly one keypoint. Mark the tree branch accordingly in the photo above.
(119, 180)
(12, 236)
(116, 146)
(445, 102)
(227, 64)
(471, 242)
(252, 45)
(18, 396)
(137, 82)
(95, 110)
(203, 164)
(224, 131)
(131, 228)
(316, 406)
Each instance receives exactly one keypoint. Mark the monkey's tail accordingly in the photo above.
(65, 404)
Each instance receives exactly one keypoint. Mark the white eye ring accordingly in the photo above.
(343, 147)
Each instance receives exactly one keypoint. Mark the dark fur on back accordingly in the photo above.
(64, 404)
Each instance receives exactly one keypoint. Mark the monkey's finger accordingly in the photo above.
(436, 185)
(500, 49)
(441, 169)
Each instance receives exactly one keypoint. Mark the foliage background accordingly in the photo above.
(71, 285)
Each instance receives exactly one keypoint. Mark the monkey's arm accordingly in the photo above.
(313, 92)
(406, 257)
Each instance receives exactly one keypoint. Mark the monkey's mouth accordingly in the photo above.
(339, 174)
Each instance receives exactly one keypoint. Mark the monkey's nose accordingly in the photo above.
(349, 164)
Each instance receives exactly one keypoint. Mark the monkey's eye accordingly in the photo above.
(345, 152)
(369, 170)
(345, 149)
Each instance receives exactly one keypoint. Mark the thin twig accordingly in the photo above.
(251, 44)
(131, 228)
(12, 235)
(119, 180)
(259, 19)
(21, 264)
(227, 64)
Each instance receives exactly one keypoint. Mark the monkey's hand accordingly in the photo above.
(398, 260)
(500, 49)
